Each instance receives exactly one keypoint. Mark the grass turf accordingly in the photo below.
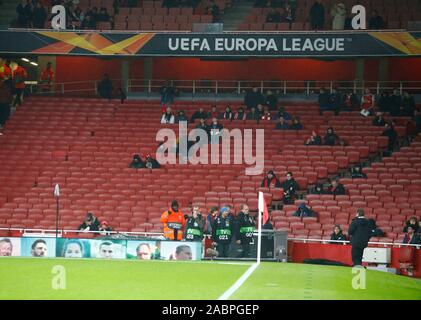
(31, 278)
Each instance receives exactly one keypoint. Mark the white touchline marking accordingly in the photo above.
(239, 282)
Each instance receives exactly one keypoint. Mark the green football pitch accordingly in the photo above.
(31, 278)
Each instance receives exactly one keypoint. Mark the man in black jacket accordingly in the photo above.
(91, 223)
(290, 187)
(244, 231)
(200, 114)
(395, 103)
(253, 98)
(222, 232)
(360, 232)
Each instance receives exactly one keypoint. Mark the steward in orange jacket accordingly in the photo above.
(47, 77)
(174, 222)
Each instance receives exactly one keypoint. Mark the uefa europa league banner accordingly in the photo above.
(287, 44)
(99, 248)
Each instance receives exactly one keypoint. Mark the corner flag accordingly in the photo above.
(263, 208)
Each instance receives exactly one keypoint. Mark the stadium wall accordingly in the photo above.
(87, 68)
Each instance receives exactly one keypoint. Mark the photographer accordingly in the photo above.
(222, 232)
(195, 226)
(360, 231)
(174, 222)
(244, 231)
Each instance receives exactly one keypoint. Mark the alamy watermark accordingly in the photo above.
(215, 147)
(359, 280)
(58, 282)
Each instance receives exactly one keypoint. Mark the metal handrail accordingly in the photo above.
(324, 241)
(236, 87)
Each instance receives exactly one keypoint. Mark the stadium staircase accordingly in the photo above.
(85, 145)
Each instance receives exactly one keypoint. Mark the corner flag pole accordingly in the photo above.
(259, 230)
(57, 195)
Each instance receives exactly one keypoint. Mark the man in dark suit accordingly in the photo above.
(360, 232)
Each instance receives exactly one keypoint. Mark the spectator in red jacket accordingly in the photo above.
(271, 181)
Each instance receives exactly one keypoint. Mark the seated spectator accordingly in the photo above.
(200, 114)
(105, 87)
(376, 21)
(215, 130)
(266, 116)
(271, 100)
(137, 162)
(181, 116)
(283, 114)
(356, 173)
(168, 117)
(384, 102)
(260, 110)
(337, 235)
(282, 125)
(227, 115)
(287, 14)
(104, 228)
(324, 104)
(379, 121)
(408, 105)
(214, 113)
(240, 114)
(290, 187)
(91, 223)
(331, 138)
(274, 16)
(271, 181)
(253, 115)
(303, 211)
(411, 237)
(367, 103)
(318, 189)
(375, 230)
(253, 98)
(203, 125)
(151, 163)
(336, 188)
(350, 101)
(412, 222)
(296, 124)
(314, 140)
(391, 133)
